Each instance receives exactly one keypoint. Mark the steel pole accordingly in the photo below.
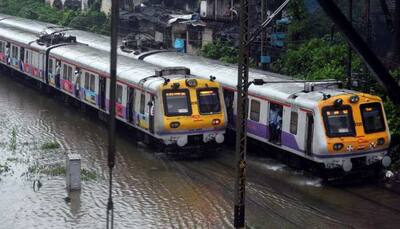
(111, 121)
(264, 9)
(359, 45)
(349, 51)
(241, 117)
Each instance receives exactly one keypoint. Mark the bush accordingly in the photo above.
(319, 58)
(93, 20)
(223, 51)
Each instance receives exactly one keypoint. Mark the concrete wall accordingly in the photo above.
(124, 4)
(84, 4)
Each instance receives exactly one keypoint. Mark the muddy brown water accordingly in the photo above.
(152, 190)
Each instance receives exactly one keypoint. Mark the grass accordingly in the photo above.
(59, 170)
(49, 146)
(4, 169)
(13, 139)
(87, 175)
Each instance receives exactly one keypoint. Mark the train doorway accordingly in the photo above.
(309, 134)
(275, 123)
(131, 105)
(151, 112)
(229, 97)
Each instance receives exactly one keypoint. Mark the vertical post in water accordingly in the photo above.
(349, 51)
(264, 9)
(241, 117)
(111, 120)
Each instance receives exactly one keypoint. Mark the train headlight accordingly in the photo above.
(174, 125)
(191, 82)
(381, 141)
(354, 99)
(338, 146)
(216, 122)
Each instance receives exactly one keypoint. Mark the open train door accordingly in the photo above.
(102, 93)
(275, 123)
(131, 105)
(309, 134)
(151, 114)
(229, 96)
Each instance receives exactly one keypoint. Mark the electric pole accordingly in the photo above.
(246, 39)
(264, 59)
(241, 117)
(349, 51)
(111, 117)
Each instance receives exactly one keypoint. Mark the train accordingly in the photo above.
(320, 122)
(168, 106)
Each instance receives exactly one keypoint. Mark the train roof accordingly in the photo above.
(129, 70)
(227, 75)
(201, 67)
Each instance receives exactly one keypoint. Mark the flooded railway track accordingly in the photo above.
(154, 190)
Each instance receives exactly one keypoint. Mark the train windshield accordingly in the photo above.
(208, 100)
(339, 121)
(372, 117)
(177, 102)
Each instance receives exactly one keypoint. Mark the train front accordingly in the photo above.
(193, 113)
(356, 132)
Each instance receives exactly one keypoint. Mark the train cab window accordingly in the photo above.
(255, 110)
(119, 94)
(372, 117)
(177, 102)
(208, 100)
(294, 117)
(50, 67)
(338, 121)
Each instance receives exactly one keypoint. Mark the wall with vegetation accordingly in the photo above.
(92, 20)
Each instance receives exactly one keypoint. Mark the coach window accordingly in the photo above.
(142, 103)
(255, 110)
(14, 52)
(92, 82)
(50, 66)
(294, 117)
(119, 94)
(87, 80)
(65, 72)
(1, 46)
(69, 73)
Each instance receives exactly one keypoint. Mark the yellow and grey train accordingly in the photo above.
(168, 105)
(334, 127)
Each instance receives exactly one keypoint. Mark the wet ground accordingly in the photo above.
(152, 190)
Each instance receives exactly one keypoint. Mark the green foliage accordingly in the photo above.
(92, 20)
(222, 51)
(13, 139)
(4, 169)
(319, 58)
(50, 145)
(393, 117)
(298, 29)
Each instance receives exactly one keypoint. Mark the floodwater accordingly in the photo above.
(152, 190)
